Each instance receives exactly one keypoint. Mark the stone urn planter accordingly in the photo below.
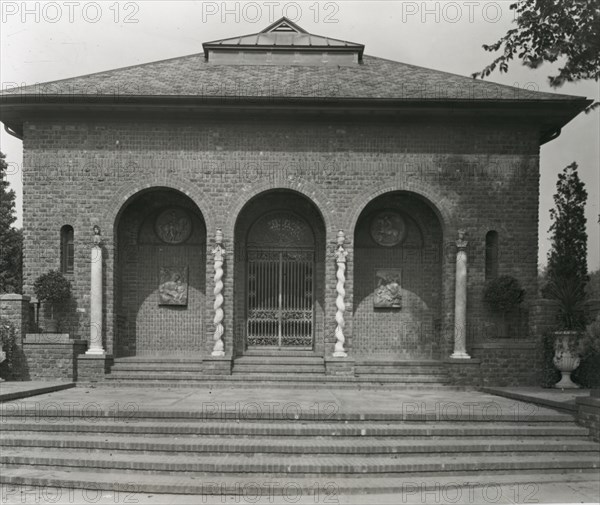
(566, 357)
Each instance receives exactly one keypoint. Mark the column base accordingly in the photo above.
(218, 354)
(460, 355)
(92, 367)
(337, 366)
(95, 352)
(340, 354)
(217, 365)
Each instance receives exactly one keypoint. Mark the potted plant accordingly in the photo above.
(52, 289)
(569, 295)
(503, 295)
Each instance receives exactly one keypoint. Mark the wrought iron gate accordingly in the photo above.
(280, 298)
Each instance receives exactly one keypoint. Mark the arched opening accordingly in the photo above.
(279, 271)
(67, 249)
(491, 255)
(160, 275)
(398, 246)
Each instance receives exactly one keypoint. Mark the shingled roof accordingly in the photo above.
(193, 76)
(370, 78)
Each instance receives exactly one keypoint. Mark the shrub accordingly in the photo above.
(52, 287)
(8, 343)
(503, 294)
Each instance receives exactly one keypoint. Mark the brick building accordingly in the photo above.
(352, 208)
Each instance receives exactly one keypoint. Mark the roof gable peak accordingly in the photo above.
(283, 25)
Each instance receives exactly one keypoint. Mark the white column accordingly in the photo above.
(340, 257)
(219, 253)
(95, 347)
(460, 299)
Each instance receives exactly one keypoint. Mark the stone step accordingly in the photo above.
(293, 429)
(185, 360)
(268, 368)
(259, 376)
(339, 445)
(291, 412)
(281, 359)
(404, 370)
(246, 382)
(275, 465)
(399, 362)
(156, 367)
(279, 353)
(293, 489)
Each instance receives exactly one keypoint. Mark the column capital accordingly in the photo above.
(461, 242)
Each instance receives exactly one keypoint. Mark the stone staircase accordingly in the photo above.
(425, 372)
(297, 369)
(227, 451)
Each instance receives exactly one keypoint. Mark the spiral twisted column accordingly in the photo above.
(340, 258)
(219, 253)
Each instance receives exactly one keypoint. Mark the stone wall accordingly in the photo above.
(588, 414)
(475, 175)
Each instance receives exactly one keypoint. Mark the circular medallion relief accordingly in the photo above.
(388, 228)
(173, 226)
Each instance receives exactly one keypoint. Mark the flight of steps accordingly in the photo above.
(409, 372)
(292, 369)
(224, 451)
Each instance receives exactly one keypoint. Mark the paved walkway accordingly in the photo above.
(24, 389)
(289, 404)
(421, 491)
(562, 399)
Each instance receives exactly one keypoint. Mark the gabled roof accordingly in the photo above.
(283, 34)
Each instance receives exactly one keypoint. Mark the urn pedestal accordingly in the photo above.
(566, 358)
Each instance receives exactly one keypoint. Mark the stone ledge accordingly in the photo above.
(462, 361)
(508, 344)
(589, 401)
(14, 297)
(99, 357)
(51, 339)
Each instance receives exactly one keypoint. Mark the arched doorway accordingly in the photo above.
(160, 275)
(279, 275)
(398, 257)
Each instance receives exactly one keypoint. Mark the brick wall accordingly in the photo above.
(145, 327)
(509, 363)
(413, 330)
(52, 356)
(476, 175)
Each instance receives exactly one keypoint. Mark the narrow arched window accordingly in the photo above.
(491, 255)
(67, 249)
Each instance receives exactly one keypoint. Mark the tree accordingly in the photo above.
(567, 31)
(567, 260)
(11, 240)
(568, 255)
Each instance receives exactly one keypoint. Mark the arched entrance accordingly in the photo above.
(280, 246)
(160, 275)
(398, 257)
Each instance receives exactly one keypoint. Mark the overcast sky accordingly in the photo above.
(43, 41)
